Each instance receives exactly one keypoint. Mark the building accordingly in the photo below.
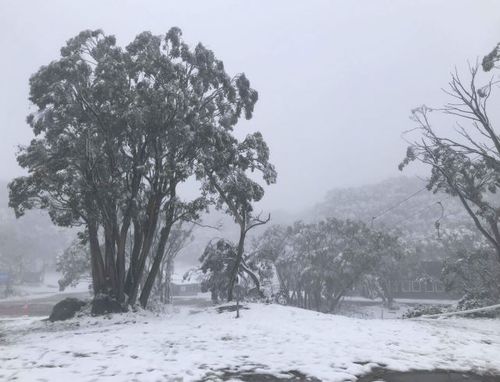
(427, 285)
(184, 289)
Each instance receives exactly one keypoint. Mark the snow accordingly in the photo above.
(190, 343)
(409, 301)
(360, 307)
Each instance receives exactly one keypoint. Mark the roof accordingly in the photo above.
(432, 268)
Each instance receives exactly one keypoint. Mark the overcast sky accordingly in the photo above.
(336, 79)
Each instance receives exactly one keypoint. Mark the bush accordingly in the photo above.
(475, 301)
(422, 310)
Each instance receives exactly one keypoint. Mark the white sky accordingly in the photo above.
(336, 79)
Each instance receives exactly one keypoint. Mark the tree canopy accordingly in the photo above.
(118, 129)
(465, 162)
(316, 264)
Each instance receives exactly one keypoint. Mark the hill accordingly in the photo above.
(395, 204)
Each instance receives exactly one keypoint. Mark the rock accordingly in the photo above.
(229, 308)
(66, 309)
(103, 304)
(254, 294)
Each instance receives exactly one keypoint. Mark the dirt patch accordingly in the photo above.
(253, 376)
(378, 375)
(426, 376)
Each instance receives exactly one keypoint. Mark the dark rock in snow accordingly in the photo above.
(255, 294)
(104, 304)
(66, 309)
(229, 308)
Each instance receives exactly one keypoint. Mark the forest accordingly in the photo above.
(118, 130)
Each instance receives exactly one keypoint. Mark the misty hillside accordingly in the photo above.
(401, 204)
(215, 225)
(33, 238)
(397, 203)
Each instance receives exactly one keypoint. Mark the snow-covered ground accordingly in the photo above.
(190, 344)
(359, 307)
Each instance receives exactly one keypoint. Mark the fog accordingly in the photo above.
(336, 79)
(145, 234)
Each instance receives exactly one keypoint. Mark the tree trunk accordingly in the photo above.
(252, 275)
(239, 256)
(97, 264)
(149, 231)
(120, 257)
(109, 261)
(134, 257)
(148, 285)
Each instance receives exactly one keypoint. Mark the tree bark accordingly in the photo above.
(97, 264)
(237, 262)
(109, 261)
(149, 231)
(134, 257)
(148, 285)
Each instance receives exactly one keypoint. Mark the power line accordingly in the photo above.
(397, 204)
(419, 212)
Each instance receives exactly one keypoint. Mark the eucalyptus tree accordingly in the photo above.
(217, 262)
(226, 178)
(73, 264)
(464, 160)
(268, 252)
(318, 263)
(179, 237)
(116, 131)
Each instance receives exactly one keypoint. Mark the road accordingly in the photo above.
(42, 306)
(35, 306)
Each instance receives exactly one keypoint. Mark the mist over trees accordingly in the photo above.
(118, 131)
(30, 244)
(400, 204)
(145, 234)
(317, 264)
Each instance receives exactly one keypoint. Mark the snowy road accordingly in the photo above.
(194, 343)
(35, 306)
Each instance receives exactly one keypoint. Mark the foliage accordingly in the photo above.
(472, 270)
(73, 264)
(491, 59)
(422, 310)
(177, 240)
(474, 301)
(380, 206)
(217, 262)
(235, 192)
(118, 130)
(318, 263)
(464, 164)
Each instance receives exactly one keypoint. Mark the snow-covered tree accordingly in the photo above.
(117, 131)
(73, 264)
(177, 240)
(227, 178)
(464, 161)
(217, 262)
(471, 268)
(318, 263)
